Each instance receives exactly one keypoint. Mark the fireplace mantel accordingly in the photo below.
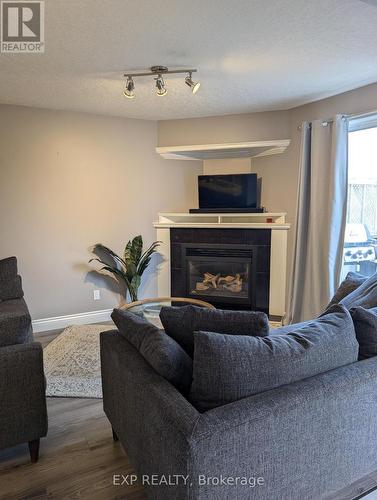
(275, 222)
(263, 220)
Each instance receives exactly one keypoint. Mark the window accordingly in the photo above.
(360, 247)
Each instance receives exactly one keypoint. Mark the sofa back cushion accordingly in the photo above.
(351, 282)
(365, 323)
(227, 368)
(180, 323)
(10, 281)
(162, 352)
(365, 295)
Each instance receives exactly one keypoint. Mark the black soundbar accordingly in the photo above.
(227, 210)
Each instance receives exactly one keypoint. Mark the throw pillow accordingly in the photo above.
(365, 295)
(10, 282)
(365, 322)
(347, 286)
(161, 351)
(180, 323)
(227, 368)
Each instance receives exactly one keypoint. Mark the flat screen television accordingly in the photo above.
(234, 191)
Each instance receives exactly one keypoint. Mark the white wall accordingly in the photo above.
(69, 180)
(229, 166)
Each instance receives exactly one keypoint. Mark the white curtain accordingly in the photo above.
(321, 217)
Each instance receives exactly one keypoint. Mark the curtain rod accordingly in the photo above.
(325, 123)
(353, 116)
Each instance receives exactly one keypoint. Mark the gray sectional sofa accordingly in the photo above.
(23, 414)
(302, 440)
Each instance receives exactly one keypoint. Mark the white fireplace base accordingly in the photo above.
(273, 221)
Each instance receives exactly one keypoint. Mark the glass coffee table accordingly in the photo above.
(149, 309)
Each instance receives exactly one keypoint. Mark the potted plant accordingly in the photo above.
(131, 267)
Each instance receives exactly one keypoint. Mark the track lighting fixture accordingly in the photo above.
(129, 90)
(158, 72)
(160, 85)
(194, 86)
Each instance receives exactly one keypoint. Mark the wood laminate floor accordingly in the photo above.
(79, 457)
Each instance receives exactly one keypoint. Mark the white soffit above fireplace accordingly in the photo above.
(225, 150)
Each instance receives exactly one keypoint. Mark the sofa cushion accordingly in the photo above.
(365, 295)
(290, 328)
(180, 323)
(365, 323)
(230, 367)
(10, 282)
(15, 323)
(162, 352)
(347, 286)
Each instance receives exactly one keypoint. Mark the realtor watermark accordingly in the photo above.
(177, 479)
(22, 27)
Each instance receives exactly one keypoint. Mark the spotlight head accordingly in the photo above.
(130, 87)
(194, 86)
(160, 85)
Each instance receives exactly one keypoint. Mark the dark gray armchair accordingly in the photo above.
(23, 414)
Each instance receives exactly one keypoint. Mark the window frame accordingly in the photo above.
(362, 122)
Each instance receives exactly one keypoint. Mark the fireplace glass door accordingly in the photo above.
(220, 274)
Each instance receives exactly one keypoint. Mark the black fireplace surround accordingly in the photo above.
(229, 268)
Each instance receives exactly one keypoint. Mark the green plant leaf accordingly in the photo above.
(107, 251)
(146, 257)
(100, 261)
(133, 251)
(137, 248)
(135, 283)
(127, 251)
(117, 273)
(130, 269)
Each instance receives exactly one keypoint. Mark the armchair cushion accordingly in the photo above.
(180, 323)
(10, 281)
(15, 323)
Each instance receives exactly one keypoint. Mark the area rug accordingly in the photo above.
(72, 362)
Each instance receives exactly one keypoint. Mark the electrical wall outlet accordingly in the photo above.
(97, 294)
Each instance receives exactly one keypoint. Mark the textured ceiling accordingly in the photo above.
(251, 55)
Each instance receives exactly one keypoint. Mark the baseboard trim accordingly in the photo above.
(45, 324)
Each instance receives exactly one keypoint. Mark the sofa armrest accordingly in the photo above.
(15, 323)
(153, 421)
(125, 373)
(306, 440)
(23, 414)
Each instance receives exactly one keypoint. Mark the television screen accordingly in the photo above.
(228, 191)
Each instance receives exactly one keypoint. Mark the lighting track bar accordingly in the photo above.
(157, 72)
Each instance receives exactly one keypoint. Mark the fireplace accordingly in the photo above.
(235, 261)
(220, 274)
(229, 268)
